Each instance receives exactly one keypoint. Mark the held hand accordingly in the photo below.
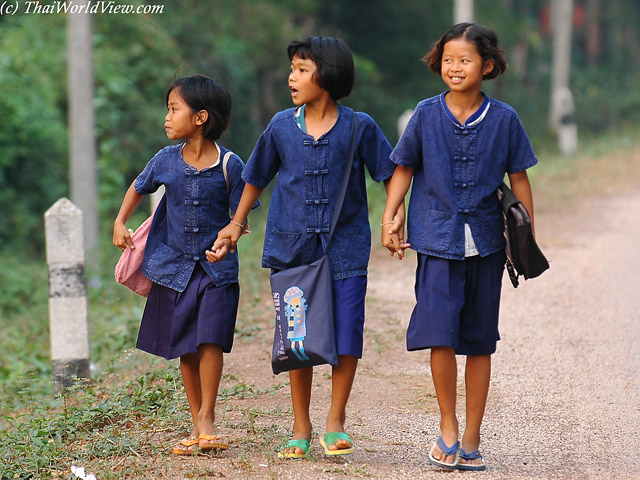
(398, 227)
(232, 232)
(218, 251)
(122, 236)
(392, 237)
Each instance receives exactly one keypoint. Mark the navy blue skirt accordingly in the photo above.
(176, 323)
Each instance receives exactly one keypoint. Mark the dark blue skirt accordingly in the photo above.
(176, 323)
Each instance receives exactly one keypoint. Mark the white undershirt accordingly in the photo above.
(470, 249)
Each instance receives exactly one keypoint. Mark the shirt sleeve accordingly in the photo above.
(521, 154)
(408, 151)
(263, 162)
(235, 168)
(147, 181)
(374, 149)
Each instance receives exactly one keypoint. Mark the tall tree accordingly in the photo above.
(82, 145)
(462, 11)
(562, 104)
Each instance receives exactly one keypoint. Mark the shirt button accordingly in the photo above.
(317, 202)
(195, 258)
(466, 210)
(196, 202)
(318, 230)
(464, 185)
(196, 230)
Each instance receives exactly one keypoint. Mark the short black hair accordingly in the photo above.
(334, 62)
(204, 93)
(485, 40)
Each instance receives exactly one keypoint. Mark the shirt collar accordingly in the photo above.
(475, 119)
(217, 148)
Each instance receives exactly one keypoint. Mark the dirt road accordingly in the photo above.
(564, 401)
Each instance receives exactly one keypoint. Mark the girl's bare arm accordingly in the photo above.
(521, 188)
(121, 235)
(228, 237)
(392, 223)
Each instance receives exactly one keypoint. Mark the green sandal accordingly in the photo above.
(332, 437)
(301, 443)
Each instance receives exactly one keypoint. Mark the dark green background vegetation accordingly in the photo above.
(242, 43)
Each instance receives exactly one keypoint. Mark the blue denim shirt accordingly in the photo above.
(457, 171)
(303, 199)
(197, 208)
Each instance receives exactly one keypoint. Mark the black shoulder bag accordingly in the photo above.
(524, 257)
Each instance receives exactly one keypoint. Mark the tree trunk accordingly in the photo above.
(462, 11)
(562, 111)
(82, 144)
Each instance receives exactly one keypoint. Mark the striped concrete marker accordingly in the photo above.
(68, 317)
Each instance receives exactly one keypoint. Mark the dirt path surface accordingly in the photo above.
(564, 401)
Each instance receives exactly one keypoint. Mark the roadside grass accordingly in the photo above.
(115, 424)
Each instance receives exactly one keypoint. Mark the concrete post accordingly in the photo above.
(68, 312)
(403, 121)
(567, 128)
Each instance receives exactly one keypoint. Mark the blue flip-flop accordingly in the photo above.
(301, 443)
(452, 450)
(471, 456)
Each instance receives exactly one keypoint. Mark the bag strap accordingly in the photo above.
(506, 197)
(508, 200)
(345, 176)
(225, 160)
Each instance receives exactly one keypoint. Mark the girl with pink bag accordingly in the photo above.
(193, 301)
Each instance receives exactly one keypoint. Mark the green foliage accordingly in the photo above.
(388, 40)
(24, 316)
(130, 90)
(122, 416)
(33, 134)
(243, 46)
(86, 424)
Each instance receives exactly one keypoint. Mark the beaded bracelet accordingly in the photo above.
(236, 223)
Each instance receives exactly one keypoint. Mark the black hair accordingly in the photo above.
(485, 40)
(334, 62)
(204, 93)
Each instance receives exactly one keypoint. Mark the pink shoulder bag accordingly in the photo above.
(128, 267)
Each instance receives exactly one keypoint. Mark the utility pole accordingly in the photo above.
(82, 143)
(462, 11)
(562, 109)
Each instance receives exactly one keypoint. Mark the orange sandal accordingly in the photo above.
(213, 443)
(186, 446)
